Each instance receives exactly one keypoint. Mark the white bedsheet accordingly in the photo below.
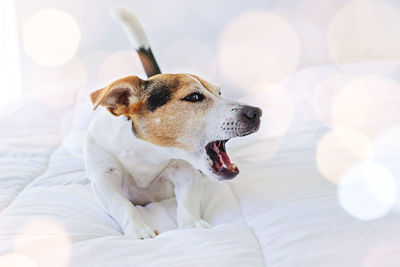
(280, 211)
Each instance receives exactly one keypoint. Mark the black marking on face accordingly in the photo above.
(158, 97)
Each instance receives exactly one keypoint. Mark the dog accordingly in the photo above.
(160, 137)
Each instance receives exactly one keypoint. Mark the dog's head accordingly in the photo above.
(183, 112)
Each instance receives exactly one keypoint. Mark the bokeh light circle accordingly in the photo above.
(387, 145)
(324, 96)
(339, 150)
(367, 191)
(16, 260)
(368, 102)
(258, 46)
(351, 104)
(386, 151)
(51, 37)
(277, 105)
(44, 234)
(364, 30)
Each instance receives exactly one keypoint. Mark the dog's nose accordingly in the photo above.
(251, 114)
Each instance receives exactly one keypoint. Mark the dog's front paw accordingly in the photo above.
(141, 232)
(192, 222)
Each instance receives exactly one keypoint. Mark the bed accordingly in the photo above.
(286, 208)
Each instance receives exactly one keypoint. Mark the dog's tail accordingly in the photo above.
(138, 38)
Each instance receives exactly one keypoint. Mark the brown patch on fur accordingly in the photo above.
(210, 87)
(176, 123)
(169, 122)
(116, 96)
(125, 110)
(94, 96)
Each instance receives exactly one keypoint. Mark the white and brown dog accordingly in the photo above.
(159, 138)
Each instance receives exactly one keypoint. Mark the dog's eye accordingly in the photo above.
(195, 97)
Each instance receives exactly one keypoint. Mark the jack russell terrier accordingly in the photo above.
(159, 138)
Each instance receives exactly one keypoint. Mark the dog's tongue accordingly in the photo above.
(222, 157)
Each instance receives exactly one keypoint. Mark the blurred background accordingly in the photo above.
(237, 44)
(339, 58)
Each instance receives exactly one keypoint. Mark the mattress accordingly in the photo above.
(284, 209)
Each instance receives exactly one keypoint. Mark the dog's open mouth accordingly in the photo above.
(221, 163)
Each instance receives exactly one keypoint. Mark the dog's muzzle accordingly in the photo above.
(250, 116)
(221, 164)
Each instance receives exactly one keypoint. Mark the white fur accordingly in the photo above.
(132, 26)
(124, 169)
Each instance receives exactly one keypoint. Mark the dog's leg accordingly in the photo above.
(106, 175)
(188, 184)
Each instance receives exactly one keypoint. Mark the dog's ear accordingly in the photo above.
(120, 96)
